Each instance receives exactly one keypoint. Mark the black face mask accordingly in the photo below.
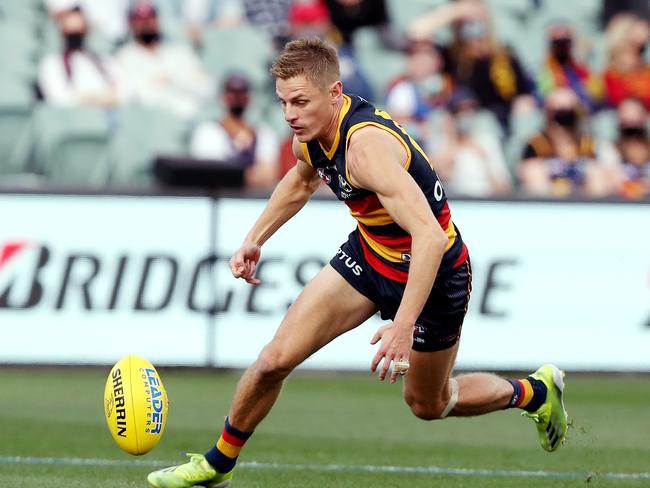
(633, 132)
(148, 37)
(565, 118)
(74, 41)
(561, 49)
(237, 110)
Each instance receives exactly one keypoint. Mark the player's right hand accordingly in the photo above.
(244, 262)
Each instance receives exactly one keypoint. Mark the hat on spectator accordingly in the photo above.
(236, 82)
(143, 10)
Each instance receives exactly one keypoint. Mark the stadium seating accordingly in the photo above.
(244, 49)
(16, 38)
(15, 125)
(27, 12)
(140, 135)
(71, 146)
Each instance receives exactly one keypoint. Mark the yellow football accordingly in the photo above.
(135, 405)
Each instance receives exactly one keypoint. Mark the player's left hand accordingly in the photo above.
(396, 341)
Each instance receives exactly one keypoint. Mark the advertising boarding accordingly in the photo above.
(89, 279)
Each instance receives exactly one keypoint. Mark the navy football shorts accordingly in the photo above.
(441, 320)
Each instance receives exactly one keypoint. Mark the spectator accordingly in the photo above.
(627, 73)
(109, 18)
(235, 140)
(478, 60)
(562, 70)
(309, 18)
(629, 155)
(422, 88)
(470, 162)
(349, 15)
(560, 161)
(160, 73)
(613, 7)
(272, 16)
(76, 76)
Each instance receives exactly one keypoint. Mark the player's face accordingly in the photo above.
(307, 107)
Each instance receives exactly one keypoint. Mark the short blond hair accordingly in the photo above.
(313, 58)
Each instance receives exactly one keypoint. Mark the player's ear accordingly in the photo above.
(336, 91)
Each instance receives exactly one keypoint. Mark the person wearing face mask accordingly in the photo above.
(478, 60)
(160, 73)
(560, 161)
(75, 75)
(561, 69)
(628, 72)
(234, 139)
(107, 18)
(470, 161)
(422, 88)
(628, 157)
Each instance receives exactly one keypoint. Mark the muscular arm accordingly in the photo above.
(289, 196)
(376, 162)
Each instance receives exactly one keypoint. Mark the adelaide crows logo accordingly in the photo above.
(324, 176)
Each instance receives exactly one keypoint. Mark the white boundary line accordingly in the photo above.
(338, 468)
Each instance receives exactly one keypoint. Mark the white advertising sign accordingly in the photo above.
(88, 279)
(561, 282)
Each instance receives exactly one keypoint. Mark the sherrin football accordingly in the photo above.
(135, 405)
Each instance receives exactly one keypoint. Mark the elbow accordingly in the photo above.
(441, 242)
(312, 186)
(439, 239)
(434, 238)
(304, 190)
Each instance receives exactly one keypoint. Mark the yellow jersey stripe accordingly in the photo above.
(389, 254)
(374, 218)
(344, 110)
(305, 153)
(451, 235)
(360, 125)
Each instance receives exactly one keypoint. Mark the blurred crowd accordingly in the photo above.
(507, 97)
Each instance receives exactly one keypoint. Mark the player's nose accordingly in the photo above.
(290, 115)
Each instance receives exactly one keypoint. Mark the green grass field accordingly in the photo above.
(326, 431)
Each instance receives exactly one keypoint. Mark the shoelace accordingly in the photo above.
(537, 418)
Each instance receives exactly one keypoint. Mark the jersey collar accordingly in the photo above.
(344, 110)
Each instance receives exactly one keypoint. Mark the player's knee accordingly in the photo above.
(428, 409)
(272, 365)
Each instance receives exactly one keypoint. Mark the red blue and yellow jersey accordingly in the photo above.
(386, 246)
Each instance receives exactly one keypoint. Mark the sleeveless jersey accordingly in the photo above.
(386, 246)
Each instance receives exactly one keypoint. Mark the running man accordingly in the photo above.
(406, 259)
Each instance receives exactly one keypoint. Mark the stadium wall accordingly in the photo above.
(88, 279)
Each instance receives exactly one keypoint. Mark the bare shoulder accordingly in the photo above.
(371, 141)
(297, 148)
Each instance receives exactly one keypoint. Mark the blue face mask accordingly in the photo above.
(474, 29)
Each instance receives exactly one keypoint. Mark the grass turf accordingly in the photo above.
(351, 420)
